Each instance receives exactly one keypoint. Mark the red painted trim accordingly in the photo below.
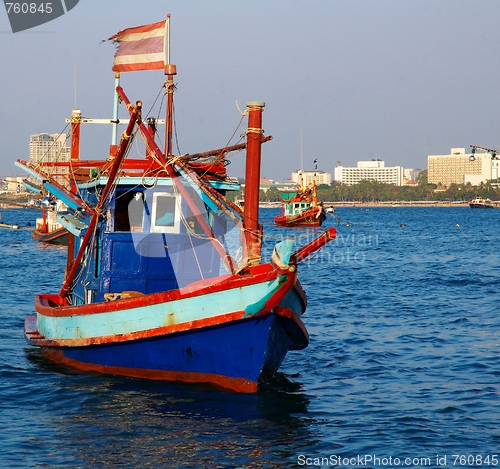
(242, 385)
(145, 28)
(40, 341)
(54, 353)
(47, 304)
(278, 295)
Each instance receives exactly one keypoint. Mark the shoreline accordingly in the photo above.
(379, 204)
(12, 204)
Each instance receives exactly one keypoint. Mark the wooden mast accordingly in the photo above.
(253, 230)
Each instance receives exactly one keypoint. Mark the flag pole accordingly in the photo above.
(116, 104)
(170, 71)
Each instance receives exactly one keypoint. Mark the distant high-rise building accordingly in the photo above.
(305, 178)
(410, 175)
(50, 148)
(458, 168)
(374, 170)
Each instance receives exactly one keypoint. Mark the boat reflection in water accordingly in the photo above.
(179, 425)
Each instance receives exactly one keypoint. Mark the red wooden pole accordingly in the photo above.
(253, 230)
(44, 221)
(313, 246)
(76, 119)
(152, 130)
(170, 71)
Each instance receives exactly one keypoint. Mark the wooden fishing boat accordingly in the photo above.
(301, 207)
(154, 287)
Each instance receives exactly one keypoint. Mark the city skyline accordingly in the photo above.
(443, 169)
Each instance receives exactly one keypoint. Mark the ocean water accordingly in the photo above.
(402, 370)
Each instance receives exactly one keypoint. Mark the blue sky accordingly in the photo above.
(390, 79)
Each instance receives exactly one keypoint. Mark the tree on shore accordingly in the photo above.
(373, 191)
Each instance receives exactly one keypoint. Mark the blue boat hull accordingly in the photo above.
(238, 355)
(480, 206)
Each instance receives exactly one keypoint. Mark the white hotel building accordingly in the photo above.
(305, 178)
(370, 170)
(458, 168)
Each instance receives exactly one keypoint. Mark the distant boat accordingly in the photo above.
(479, 202)
(47, 228)
(57, 236)
(300, 207)
(165, 278)
(240, 203)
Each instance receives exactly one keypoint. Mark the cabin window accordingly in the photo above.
(129, 211)
(136, 212)
(165, 216)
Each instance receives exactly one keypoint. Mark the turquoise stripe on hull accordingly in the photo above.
(154, 316)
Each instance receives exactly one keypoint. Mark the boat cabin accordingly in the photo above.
(294, 203)
(150, 240)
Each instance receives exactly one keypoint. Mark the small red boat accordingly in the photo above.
(49, 230)
(301, 208)
(58, 236)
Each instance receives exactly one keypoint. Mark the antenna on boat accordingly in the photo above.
(301, 154)
(74, 73)
(301, 161)
(170, 71)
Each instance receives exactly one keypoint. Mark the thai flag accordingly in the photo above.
(140, 48)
